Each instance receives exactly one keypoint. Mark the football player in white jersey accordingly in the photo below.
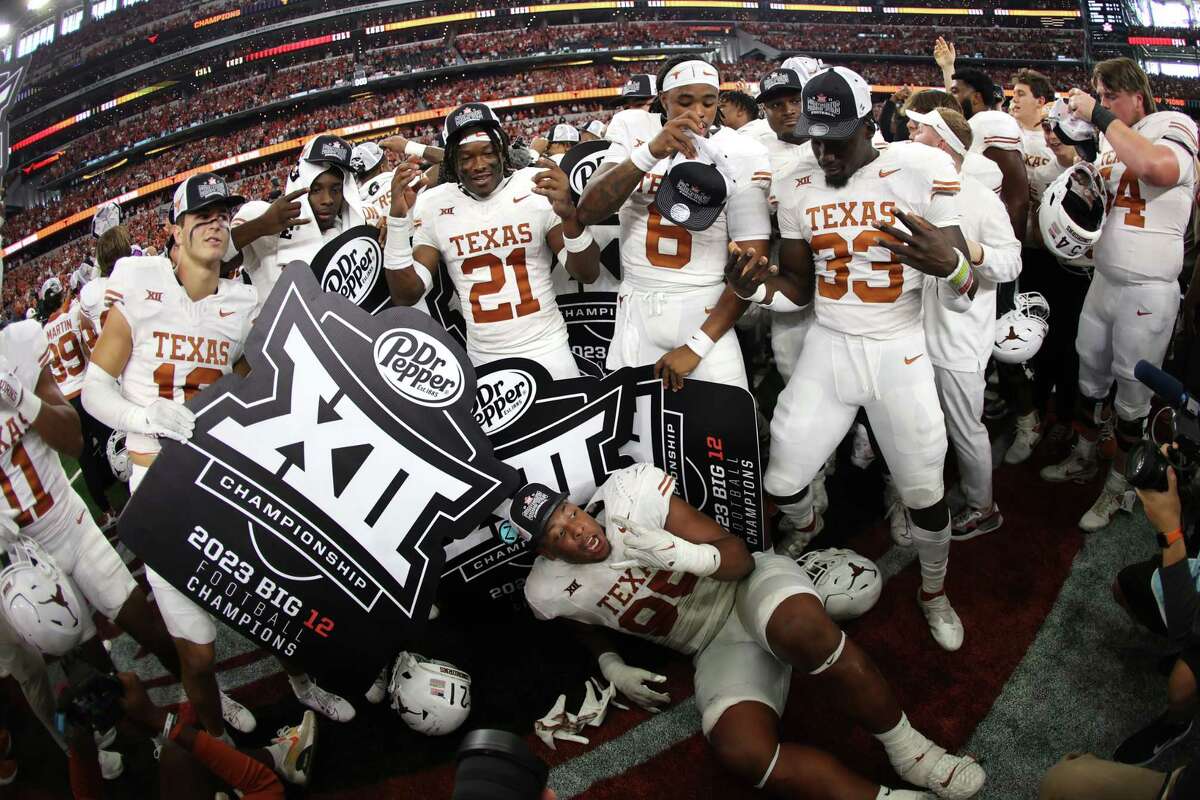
(673, 309)
(867, 349)
(996, 134)
(113, 245)
(36, 425)
(960, 344)
(171, 331)
(68, 362)
(320, 201)
(498, 230)
(374, 180)
(638, 559)
(738, 109)
(1148, 161)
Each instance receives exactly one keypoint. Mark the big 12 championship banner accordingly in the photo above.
(309, 508)
(572, 434)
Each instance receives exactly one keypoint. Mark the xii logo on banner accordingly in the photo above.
(309, 507)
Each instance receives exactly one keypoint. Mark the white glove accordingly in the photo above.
(10, 531)
(168, 419)
(14, 395)
(595, 703)
(559, 724)
(659, 549)
(631, 682)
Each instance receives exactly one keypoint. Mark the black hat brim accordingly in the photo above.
(229, 200)
(701, 217)
(776, 91)
(816, 129)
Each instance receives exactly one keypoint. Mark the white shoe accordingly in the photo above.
(897, 514)
(794, 541)
(378, 689)
(972, 522)
(1029, 433)
(1080, 466)
(236, 715)
(862, 454)
(294, 748)
(1117, 496)
(944, 624)
(112, 765)
(946, 775)
(327, 704)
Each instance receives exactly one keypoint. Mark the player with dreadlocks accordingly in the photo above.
(498, 226)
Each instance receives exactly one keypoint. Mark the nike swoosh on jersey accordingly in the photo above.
(80, 520)
(883, 173)
(224, 313)
(914, 358)
(1141, 313)
(519, 199)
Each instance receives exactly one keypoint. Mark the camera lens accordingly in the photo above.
(497, 765)
(1146, 468)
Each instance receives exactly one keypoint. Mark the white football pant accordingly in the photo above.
(961, 394)
(558, 361)
(1120, 325)
(788, 331)
(651, 324)
(892, 379)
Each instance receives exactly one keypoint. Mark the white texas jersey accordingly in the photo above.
(861, 290)
(67, 350)
(91, 302)
(962, 341)
(376, 197)
(658, 255)
(31, 474)
(675, 609)
(1041, 164)
(1142, 238)
(180, 345)
(496, 253)
(994, 129)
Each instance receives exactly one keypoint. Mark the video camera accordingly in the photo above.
(1146, 467)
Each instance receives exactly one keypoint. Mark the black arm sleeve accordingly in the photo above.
(887, 113)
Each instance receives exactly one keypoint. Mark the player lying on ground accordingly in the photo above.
(641, 560)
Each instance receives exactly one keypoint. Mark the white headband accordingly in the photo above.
(478, 136)
(934, 120)
(692, 72)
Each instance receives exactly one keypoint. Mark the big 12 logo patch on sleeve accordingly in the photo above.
(309, 507)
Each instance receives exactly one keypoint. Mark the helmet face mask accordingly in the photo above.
(432, 697)
(1073, 211)
(118, 456)
(849, 584)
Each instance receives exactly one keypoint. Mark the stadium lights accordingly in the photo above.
(38, 5)
(5, 30)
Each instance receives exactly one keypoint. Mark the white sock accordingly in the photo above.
(1028, 421)
(300, 683)
(279, 751)
(1115, 482)
(933, 550)
(903, 743)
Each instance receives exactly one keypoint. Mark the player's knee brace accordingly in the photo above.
(791, 499)
(770, 768)
(1093, 413)
(833, 657)
(932, 518)
(1130, 432)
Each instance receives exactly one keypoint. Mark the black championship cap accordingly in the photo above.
(466, 116)
(532, 508)
(640, 87)
(329, 149)
(834, 104)
(777, 82)
(692, 195)
(200, 191)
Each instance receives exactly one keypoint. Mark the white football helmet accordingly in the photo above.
(849, 584)
(1020, 332)
(40, 603)
(118, 456)
(1073, 211)
(432, 697)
